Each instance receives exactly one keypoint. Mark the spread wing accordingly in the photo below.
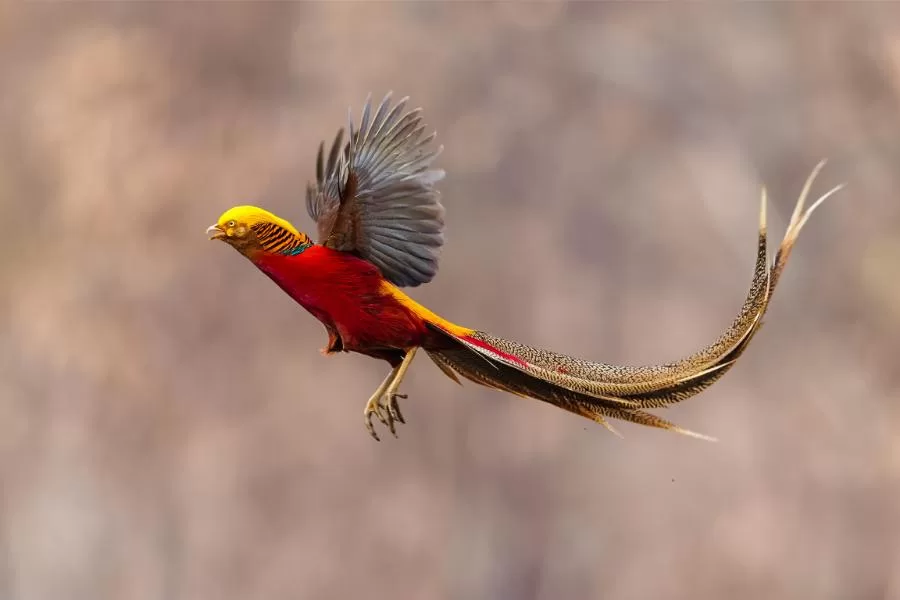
(375, 195)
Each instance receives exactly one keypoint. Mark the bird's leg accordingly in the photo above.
(391, 391)
(373, 406)
(383, 403)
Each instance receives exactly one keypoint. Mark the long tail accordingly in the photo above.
(600, 391)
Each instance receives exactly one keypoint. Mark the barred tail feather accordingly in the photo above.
(599, 391)
(499, 376)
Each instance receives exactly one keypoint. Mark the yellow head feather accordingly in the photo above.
(250, 216)
(250, 229)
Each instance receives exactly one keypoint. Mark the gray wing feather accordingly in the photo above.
(398, 220)
(323, 196)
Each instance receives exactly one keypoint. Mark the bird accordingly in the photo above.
(379, 221)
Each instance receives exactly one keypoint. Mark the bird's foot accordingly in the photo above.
(383, 403)
(386, 408)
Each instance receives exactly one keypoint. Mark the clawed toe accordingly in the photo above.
(369, 427)
(387, 410)
(383, 403)
(394, 408)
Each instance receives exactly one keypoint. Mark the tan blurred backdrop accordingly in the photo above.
(169, 430)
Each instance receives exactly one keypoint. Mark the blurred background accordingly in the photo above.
(168, 428)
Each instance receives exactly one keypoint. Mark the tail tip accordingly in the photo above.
(694, 434)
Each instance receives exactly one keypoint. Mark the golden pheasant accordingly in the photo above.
(380, 226)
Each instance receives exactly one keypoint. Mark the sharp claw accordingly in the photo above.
(370, 427)
(384, 401)
(395, 407)
(387, 410)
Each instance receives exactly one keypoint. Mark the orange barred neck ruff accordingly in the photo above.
(276, 239)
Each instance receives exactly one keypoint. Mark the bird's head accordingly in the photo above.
(249, 230)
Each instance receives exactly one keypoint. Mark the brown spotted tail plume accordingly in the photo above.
(599, 391)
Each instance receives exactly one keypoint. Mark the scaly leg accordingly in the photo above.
(383, 403)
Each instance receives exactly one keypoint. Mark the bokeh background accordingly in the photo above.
(168, 428)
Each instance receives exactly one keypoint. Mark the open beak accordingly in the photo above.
(215, 232)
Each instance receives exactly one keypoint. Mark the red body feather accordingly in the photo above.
(350, 297)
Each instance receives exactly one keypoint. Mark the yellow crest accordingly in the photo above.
(253, 215)
(250, 229)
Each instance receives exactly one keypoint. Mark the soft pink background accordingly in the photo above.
(168, 428)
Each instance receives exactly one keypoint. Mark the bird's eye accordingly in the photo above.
(231, 223)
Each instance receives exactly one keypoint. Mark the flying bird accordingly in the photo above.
(380, 224)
